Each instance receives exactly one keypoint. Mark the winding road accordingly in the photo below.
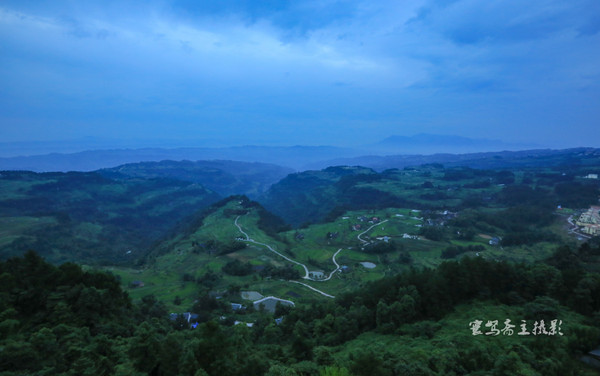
(367, 230)
(248, 239)
(314, 289)
(337, 267)
(306, 272)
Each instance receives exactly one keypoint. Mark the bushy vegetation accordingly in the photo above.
(66, 321)
(96, 220)
(453, 251)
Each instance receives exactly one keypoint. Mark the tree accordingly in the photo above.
(366, 363)
(280, 370)
(145, 348)
(188, 362)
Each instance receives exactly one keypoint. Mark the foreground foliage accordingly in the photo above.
(67, 321)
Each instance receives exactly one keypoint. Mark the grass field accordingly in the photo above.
(12, 228)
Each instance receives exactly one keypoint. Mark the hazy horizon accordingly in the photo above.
(426, 144)
(340, 73)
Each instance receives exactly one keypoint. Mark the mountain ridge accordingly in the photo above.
(298, 157)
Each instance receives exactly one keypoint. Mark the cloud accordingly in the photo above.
(497, 21)
(373, 66)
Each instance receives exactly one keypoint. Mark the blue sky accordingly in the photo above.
(300, 72)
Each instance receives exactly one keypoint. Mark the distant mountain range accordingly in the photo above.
(295, 157)
(488, 160)
(430, 144)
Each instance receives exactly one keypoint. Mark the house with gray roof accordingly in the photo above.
(270, 302)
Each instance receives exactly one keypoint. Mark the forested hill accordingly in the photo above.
(576, 157)
(315, 196)
(222, 241)
(310, 195)
(224, 177)
(86, 217)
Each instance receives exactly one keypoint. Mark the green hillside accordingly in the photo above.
(88, 218)
(224, 177)
(319, 196)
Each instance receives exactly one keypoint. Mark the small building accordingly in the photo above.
(592, 358)
(494, 241)
(316, 274)
(248, 324)
(589, 221)
(190, 318)
(270, 302)
(237, 307)
(595, 353)
(136, 284)
(216, 294)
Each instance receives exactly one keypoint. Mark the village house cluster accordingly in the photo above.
(590, 221)
(363, 219)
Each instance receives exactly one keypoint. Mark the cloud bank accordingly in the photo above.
(311, 72)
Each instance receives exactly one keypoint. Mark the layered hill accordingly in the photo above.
(538, 158)
(291, 156)
(224, 177)
(87, 217)
(461, 181)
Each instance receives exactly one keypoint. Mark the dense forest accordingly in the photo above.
(68, 321)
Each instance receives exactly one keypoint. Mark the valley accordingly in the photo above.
(319, 264)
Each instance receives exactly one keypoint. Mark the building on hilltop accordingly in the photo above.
(270, 302)
(590, 221)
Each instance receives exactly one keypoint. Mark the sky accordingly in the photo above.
(321, 72)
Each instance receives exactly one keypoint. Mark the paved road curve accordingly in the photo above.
(306, 275)
(367, 230)
(248, 239)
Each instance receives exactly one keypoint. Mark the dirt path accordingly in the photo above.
(248, 239)
(337, 267)
(306, 276)
(314, 289)
(367, 230)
